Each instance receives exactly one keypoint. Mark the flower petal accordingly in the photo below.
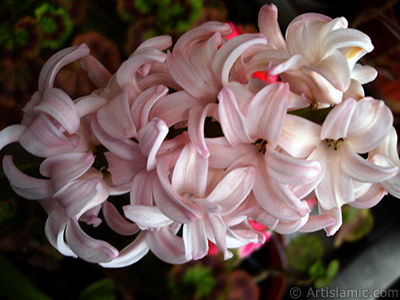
(232, 120)
(195, 239)
(146, 217)
(167, 246)
(269, 26)
(130, 254)
(116, 222)
(86, 247)
(26, 186)
(266, 113)
(11, 134)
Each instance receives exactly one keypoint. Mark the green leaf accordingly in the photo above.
(303, 251)
(16, 286)
(315, 115)
(332, 268)
(100, 290)
(317, 270)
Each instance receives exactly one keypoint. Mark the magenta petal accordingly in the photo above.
(167, 246)
(130, 254)
(64, 168)
(86, 247)
(117, 222)
(11, 134)
(24, 185)
(57, 61)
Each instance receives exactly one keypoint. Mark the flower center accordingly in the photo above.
(334, 144)
(261, 145)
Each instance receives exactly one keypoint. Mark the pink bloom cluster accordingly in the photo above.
(201, 147)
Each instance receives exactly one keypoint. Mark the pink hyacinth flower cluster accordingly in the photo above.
(200, 148)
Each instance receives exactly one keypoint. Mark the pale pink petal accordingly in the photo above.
(269, 26)
(342, 38)
(123, 170)
(174, 107)
(369, 198)
(195, 239)
(26, 186)
(299, 136)
(277, 199)
(218, 148)
(290, 227)
(127, 70)
(318, 222)
(116, 221)
(89, 104)
(197, 117)
(77, 195)
(96, 71)
(363, 74)
(86, 247)
(357, 168)
(370, 124)
(130, 254)
(266, 114)
(150, 139)
(290, 170)
(64, 168)
(198, 34)
(295, 62)
(189, 78)
(55, 231)
(233, 188)
(141, 107)
(190, 172)
(168, 200)
(115, 118)
(124, 148)
(44, 139)
(230, 51)
(161, 42)
(11, 134)
(335, 69)
(57, 61)
(232, 120)
(167, 246)
(337, 123)
(91, 216)
(218, 234)
(146, 217)
(335, 187)
(336, 213)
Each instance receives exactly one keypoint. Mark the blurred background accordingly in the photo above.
(365, 252)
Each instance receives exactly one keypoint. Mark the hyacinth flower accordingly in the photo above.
(317, 57)
(200, 148)
(351, 128)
